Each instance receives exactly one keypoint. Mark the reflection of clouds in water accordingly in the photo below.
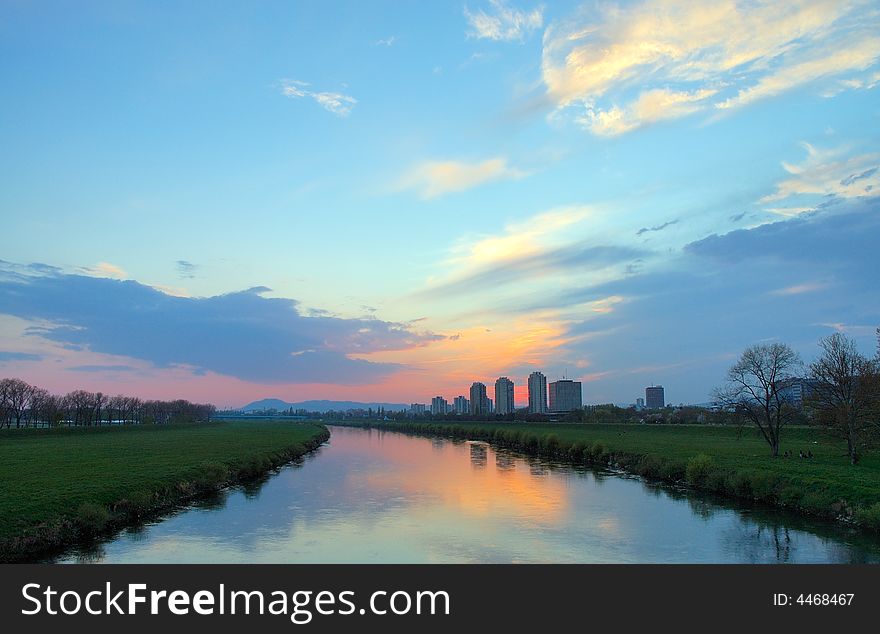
(386, 497)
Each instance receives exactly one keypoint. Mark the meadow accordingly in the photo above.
(65, 485)
(725, 460)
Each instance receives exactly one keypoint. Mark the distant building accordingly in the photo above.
(654, 397)
(504, 403)
(439, 405)
(479, 400)
(640, 403)
(537, 393)
(490, 404)
(417, 408)
(462, 405)
(796, 390)
(565, 395)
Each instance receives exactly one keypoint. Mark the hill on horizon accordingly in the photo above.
(319, 405)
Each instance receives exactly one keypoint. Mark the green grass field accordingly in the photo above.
(721, 459)
(64, 484)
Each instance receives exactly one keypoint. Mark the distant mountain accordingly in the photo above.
(319, 406)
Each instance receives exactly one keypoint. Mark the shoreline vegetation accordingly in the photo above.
(722, 460)
(69, 486)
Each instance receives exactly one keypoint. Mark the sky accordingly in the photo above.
(386, 201)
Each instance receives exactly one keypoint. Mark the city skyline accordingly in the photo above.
(380, 202)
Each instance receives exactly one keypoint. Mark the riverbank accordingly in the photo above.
(721, 460)
(66, 486)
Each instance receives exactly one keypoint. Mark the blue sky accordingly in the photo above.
(388, 200)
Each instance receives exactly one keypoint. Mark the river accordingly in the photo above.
(385, 497)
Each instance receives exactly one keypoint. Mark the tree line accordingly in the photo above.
(26, 405)
(840, 390)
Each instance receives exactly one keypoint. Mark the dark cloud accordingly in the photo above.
(18, 356)
(657, 227)
(738, 217)
(240, 334)
(849, 180)
(186, 269)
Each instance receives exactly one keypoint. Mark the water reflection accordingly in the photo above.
(371, 496)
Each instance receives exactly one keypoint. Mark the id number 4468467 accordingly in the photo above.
(815, 599)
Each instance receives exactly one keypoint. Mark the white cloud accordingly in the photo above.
(386, 41)
(435, 178)
(106, 269)
(825, 175)
(337, 103)
(503, 23)
(662, 59)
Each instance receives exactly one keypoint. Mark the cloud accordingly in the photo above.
(339, 104)
(825, 177)
(651, 106)
(621, 67)
(387, 41)
(242, 334)
(656, 227)
(6, 355)
(436, 178)
(797, 289)
(102, 368)
(186, 269)
(105, 269)
(503, 23)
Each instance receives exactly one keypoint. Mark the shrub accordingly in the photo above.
(550, 442)
(698, 469)
(672, 470)
(791, 496)
(717, 481)
(650, 467)
(869, 516)
(741, 484)
(598, 450)
(92, 518)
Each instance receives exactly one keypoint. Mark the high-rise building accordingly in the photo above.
(504, 402)
(565, 395)
(439, 405)
(417, 408)
(479, 400)
(640, 403)
(537, 393)
(654, 397)
(462, 405)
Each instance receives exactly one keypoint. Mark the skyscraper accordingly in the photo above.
(537, 393)
(462, 405)
(565, 395)
(439, 405)
(479, 400)
(504, 402)
(654, 397)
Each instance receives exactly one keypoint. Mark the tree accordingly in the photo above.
(846, 391)
(755, 389)
(19, 395)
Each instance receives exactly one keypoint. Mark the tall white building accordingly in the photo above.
(439, 405)
(537, 393)
(565, 395)
(504, 402)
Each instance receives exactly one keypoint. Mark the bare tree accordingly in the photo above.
(846, 391)
(19, 395)
(755, 387)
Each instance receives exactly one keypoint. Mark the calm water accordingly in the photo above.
(370, 496)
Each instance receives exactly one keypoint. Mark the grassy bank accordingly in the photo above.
(62, 486)
(720, 460)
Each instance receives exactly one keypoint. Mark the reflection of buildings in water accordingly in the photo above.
(504, 461)
(479, 455)
(438, 444)
(537, 468)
